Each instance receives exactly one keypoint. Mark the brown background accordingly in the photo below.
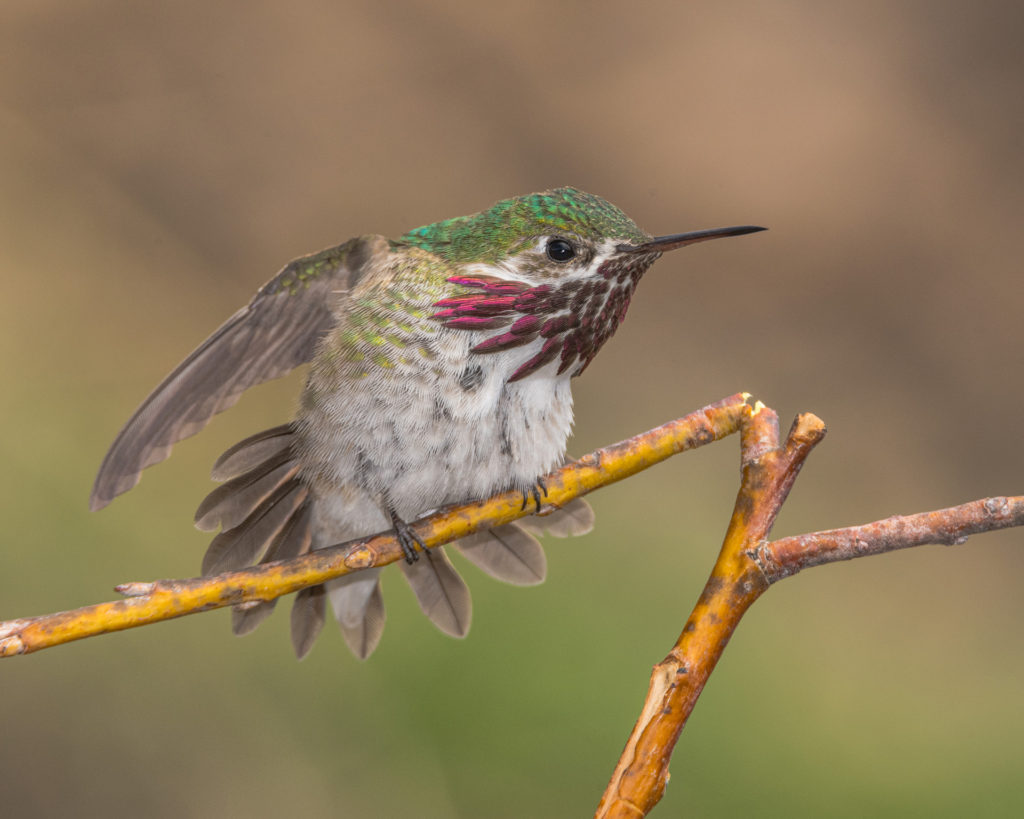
(158, 162)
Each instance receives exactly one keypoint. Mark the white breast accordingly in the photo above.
(425, 434)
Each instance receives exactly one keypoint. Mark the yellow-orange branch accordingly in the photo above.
(639, 779)
(166, 599)
(748, 564)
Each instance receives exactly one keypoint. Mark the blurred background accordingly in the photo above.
(159, 162)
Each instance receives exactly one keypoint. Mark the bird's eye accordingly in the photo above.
(560, 250)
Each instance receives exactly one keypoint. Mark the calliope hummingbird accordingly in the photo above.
(440, 367)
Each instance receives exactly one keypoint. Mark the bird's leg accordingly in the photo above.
(407, 538)
(534, 493)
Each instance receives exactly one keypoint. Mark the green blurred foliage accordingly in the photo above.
(160, 161)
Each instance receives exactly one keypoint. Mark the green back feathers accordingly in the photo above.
(490, 235)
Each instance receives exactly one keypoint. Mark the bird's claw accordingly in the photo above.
(534, 493)
(407, 539)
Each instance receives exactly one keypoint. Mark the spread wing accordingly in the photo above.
(276, 332)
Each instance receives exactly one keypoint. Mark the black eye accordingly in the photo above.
(560, 250)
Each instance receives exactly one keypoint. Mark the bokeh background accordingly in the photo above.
(159, 161)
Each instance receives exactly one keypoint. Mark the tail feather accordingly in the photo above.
(363, 636)
(230, 504)
(251, 452)
(243, 545)
(350, 595)
(506, 553)
(293, 540)
(441, 592)
(307, 619)
(247, 616)
(575, 518)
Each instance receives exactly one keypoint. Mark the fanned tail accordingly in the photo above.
(265, 514)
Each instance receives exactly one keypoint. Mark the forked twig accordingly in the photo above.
(747, 565)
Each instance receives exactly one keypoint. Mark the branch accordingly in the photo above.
(151, 602)
(768, 472)
(948, 527)
(746, 567)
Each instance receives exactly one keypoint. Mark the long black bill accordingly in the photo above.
(661, 244)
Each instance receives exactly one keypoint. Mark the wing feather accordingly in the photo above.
(278, 330)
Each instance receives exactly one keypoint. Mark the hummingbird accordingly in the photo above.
(440, 370)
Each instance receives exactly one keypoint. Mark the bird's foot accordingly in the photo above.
(407, 539)
(534, 494)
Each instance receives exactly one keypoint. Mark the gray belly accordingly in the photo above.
(421, 435)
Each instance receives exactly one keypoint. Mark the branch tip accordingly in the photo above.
(754, 404)
(9, 646)
(759, 435)
(807, 430)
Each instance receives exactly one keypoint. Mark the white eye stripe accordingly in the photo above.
(523, 266)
